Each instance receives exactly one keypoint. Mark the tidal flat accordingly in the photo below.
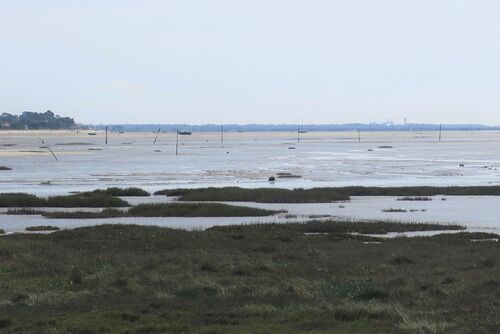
(320, 159)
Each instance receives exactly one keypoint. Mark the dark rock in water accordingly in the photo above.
(370, 150)
(157, 150)
(272, 179)
(385, 146)
(5, 168)
(291, 148)
(461, 165)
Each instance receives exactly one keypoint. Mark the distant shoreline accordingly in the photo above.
(378, 127)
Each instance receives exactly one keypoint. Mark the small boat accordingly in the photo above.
(184, 133)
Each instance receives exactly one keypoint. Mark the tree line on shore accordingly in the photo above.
(35, 121)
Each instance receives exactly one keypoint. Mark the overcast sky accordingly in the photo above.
(254, 61)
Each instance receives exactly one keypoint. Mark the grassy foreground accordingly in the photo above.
(318, 195)
(249, 279)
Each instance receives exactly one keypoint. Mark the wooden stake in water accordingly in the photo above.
(157, 134)
(298, 133)
(222, 133)
(177, 142)
(48, 147)
(106, 135)
(359, 136)
(440, 131)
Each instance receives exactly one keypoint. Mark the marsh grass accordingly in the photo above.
(269, 279)
(98, 200)
(42, 228)
(417, 198)
(394, 210)
(156, 210)
(343, 227)
(196, 210)
(262, 195)
(319, 195)
(123, 192)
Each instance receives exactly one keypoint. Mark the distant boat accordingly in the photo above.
(92, 133)
(184, 133)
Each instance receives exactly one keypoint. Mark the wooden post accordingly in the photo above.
(298, 133)
(48, 147)
(359, 136)
(157, 134)
(222, 133)
(177, 142)
(106, 140)
(440, 131)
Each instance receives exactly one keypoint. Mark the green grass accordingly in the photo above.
(124, 192)
(246, 279)
(317, 195)
(69, 201)
(157, 210)
(42, 228)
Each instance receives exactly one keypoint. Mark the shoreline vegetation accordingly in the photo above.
(261, 195)
(108, 198)
(279, 278)
(99, 198)
(317, 195)
(90, 200)
(156, 210)
(42, 228)
(122, 192)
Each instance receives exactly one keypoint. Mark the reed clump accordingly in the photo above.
(123, 192)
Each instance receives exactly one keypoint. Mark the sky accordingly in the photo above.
(258, 61)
